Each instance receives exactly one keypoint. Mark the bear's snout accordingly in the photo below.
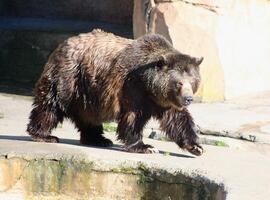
(187, 93)
(187, 100)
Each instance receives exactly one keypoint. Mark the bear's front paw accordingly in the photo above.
(195, 149)
(140, 147)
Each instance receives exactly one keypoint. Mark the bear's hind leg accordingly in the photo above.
(93, 135)
(42, 121)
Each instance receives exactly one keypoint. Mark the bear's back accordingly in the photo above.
(80, 74)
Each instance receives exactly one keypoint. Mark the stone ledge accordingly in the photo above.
(68, 170)
(68, 174)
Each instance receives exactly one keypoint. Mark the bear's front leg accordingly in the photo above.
(130, 127)
(179, 127)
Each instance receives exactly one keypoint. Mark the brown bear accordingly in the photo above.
(98, 77)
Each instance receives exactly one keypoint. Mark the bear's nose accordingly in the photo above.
(188, 100)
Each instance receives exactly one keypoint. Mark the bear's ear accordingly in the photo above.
(197, 61)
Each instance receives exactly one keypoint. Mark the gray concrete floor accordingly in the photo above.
(243, 171)
(246, 117)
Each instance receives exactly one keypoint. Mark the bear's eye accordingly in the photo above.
(180, 68)
(179, 85)
(184, 69)
(160, 63)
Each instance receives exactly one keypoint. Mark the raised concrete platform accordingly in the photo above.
(69, 171)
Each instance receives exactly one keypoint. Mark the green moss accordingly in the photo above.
(141, 170)
(220, 144)
(128, 170)
(2, 115)
(110, 127)
(142, 167)
(166, 153)
(145, 174)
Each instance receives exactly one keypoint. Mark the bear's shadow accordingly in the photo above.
(115, 147)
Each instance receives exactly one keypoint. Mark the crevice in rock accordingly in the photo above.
(229, 134)
(149, 5)
(202, 5)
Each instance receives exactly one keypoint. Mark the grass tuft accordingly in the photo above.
(220, 144)
(110, 127)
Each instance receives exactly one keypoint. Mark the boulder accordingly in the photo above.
(219, 31)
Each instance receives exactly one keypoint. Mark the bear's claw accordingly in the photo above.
(196, 150)
(141, 148)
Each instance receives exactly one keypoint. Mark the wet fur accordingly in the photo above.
(97, 77)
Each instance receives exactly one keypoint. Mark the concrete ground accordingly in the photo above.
(243, 169)
(247, 118)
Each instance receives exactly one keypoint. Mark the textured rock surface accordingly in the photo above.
(224, 32)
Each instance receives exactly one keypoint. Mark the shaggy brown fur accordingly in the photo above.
(97, 77)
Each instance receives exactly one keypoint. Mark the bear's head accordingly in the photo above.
(170, 78)
(173, 79)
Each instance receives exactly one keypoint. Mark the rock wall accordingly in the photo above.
(243, 38)
(226, 33)
(31, 30)
(111, 11)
